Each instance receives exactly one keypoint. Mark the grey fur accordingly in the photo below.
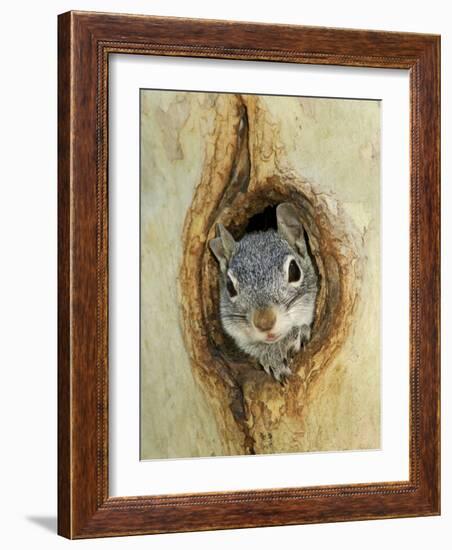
(256, 266)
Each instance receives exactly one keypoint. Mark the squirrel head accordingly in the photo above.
(268, 283)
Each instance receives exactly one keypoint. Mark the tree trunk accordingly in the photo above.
(253, 152)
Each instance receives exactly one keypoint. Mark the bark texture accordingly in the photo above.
(251, 152)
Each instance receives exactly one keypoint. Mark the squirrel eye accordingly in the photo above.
(294, 272)
(230, 287)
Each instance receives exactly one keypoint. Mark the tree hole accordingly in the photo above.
(333, 258)
(263, 221)
(260, 215)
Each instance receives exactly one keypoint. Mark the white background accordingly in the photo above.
(28, 272)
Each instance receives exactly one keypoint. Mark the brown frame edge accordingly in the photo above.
(85, 40)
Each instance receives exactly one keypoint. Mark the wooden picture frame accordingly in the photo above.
(85, 42)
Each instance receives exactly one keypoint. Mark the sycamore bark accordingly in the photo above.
(236, 155)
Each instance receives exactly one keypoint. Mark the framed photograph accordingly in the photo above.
(248, 275)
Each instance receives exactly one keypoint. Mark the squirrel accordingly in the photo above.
(268, 291)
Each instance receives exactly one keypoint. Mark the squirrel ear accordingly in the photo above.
(290, 226)
(223, 246)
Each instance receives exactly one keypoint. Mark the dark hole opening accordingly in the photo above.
(262, 221)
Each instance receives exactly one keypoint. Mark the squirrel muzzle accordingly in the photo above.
(264, 319)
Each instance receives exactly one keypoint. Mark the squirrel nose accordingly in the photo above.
(264, 319)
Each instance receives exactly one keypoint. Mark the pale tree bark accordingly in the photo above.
(253, 155)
